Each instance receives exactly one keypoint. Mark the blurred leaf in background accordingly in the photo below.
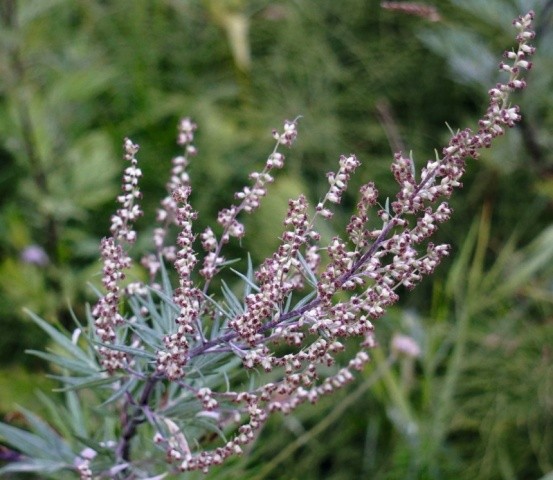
(59, 166)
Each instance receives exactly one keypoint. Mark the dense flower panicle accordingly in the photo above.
(106, 310)
(465, 144)
(305, 299)
(172, 360)
(115, 261)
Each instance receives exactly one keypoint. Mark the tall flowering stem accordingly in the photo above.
(300, 303)
(250, 199)
(172, 360)
(116, 260)
(167, 211)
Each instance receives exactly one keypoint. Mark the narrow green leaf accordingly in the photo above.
(232, 301)
(218, 306)
(288, 302)
(43, 430)
(250, 285)
(309, 275)
(148, 335)
(40, 466)
(305, 300)
(28, 443)
(61, 339)
(250, 276)
(135, 352)
(64, 362)
(230, 262)
(77, 419)
(165, 280)
(57, 414)
(78, 383)
(128, 386)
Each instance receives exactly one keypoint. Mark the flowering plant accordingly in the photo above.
(170, 366)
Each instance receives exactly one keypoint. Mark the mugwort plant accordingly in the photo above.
(183, 376)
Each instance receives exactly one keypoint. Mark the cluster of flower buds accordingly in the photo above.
(279, 327)
(172, 360)
(287, 137)
(338, 184)
(115, 261)
(250, 199)
(123, 220)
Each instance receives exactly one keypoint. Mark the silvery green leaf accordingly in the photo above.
(148, 335)
(183, 407)
(76, 414)
(77, 383)
(28, 443)
(163, 318)
(41, 466)
(126, 387)
(288, 302)
(61, 339)
(248, 278)
(58, 415)
(305, 300)
(135, 352)
(218, 306)
(160, 322)
(309, 275)
(64, 362)
(218, 363)
(229, 262)
(215, 327)
(165, 280)
(208, 424)
(249, 284)
(232, 301)
(58, 447)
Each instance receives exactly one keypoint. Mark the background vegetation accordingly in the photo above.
(76, 77)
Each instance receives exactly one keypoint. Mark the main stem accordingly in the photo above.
(132, 421)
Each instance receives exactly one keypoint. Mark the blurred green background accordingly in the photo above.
(78, 76)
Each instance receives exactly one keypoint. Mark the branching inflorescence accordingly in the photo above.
(291, 322)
